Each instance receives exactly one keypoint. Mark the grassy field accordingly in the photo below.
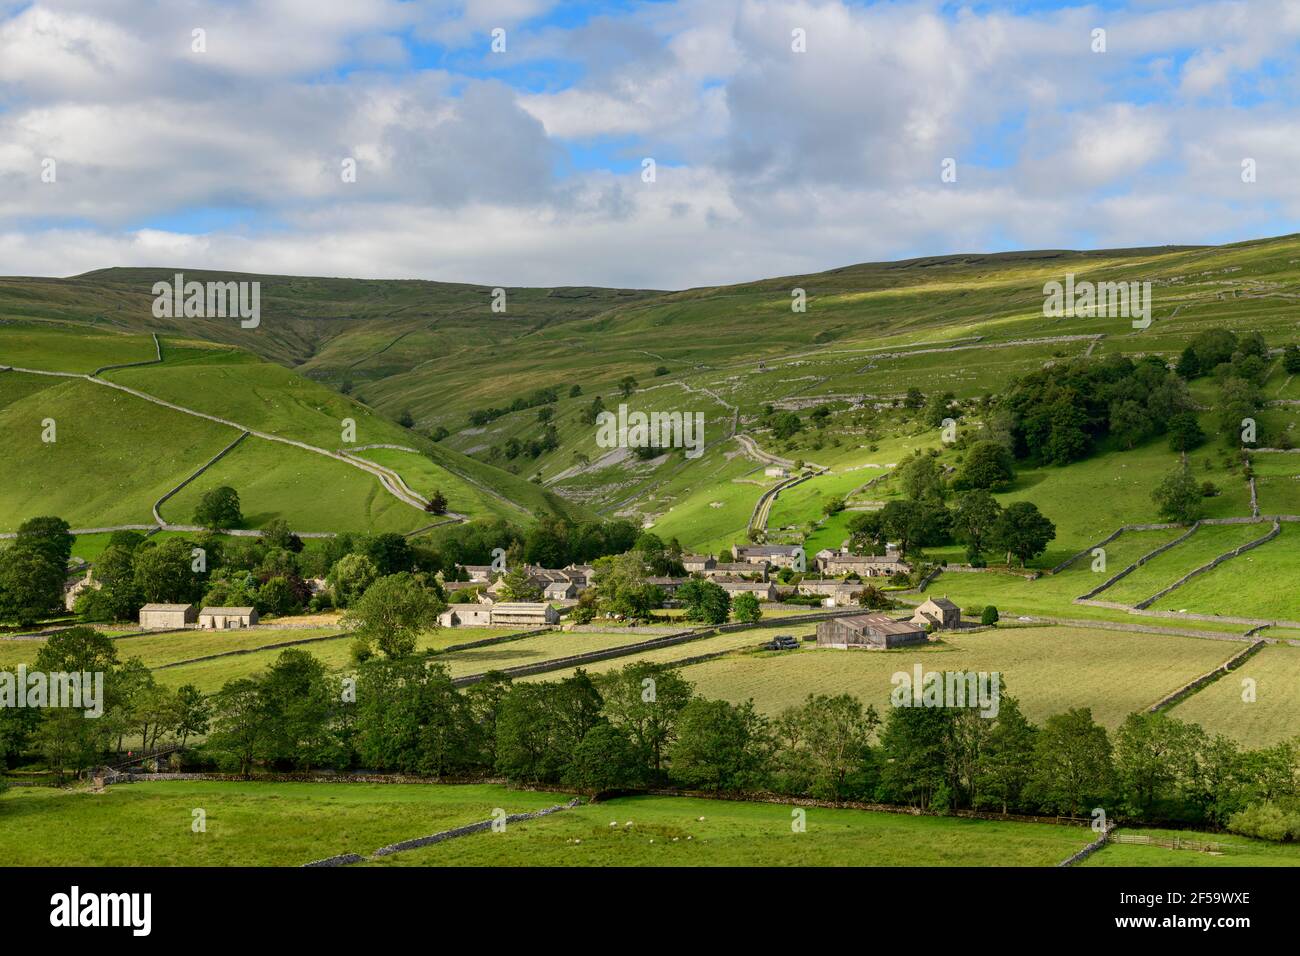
(70, 348)
(1253, 584)
(1277, 483)
(248, 824)
(1049, 669)
(1205, 544)
(1271, 717)
(1236, 851)
(679, 831)
(97, 472)
(310, 491)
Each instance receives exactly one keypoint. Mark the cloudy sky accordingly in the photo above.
(786, 137)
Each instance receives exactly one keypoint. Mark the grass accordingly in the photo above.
(1205, 544)
(1048, 669)
(1252, 584)
(684, 831)
(312, 492)
(1236, 851)
(70, 348)
(1268, 719)
(99, 471)
(248, 824)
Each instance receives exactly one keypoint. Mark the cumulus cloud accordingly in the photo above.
(525, 169)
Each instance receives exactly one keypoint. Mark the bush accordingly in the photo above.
(989, 616)
(1267, 821)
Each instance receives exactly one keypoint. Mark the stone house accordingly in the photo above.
(478, 572)
(940, 612)
(734, 569)
(698, 563)
(166, 616)
(763, 590)
(227, 618)
(72, 588)
(780, 555)
(668, 585)
(466, 615)
(560, 591)
(863, 565)
(836, 593)
(878, 631)
(776, 471)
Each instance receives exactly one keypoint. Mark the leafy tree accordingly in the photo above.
(1004, 768)
(1130, 422)
(390, 552)
(1239, 399)
(605, 759)
(1022, 531)
(988, 465)
(974, 519)
(621, 588)
(921, 477)
(989, 616)
(1185, 432)
(875, 599)
(1291, 359)
(349, 578)
(240, 731)
(164, 573)
(49, 537)
(219, 509)
(646, 700)
(627, 385)
(1072, 762)
(914, 751)
(193, 713)
(786, 425)
(704, 601)
(1155, 755)
(394, 612)
(437, 503)
(278, 596)
(1178, 496)
(745, 609)
(721, 746)
(68, 739)
(516, 585)
(825, 742)
(833, 505)
(867, 532)
(31, 585)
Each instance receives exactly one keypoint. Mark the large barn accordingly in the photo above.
(868, 630)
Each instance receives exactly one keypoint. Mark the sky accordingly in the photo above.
(665, 145)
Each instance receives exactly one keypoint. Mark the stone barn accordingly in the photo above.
(868, 630)
(466, 615)
(940, 612)
(161, 617)
(527, 614)
(223, 618)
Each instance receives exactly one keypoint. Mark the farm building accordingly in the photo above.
(776, 471)
(863, 565)
(763, 590)
(72, 589)
(868, 630)
(836, 593)
(528, 614)
(165, 616)
(466, 615)
(543, 578)
(481, 573)
(668, 585)
(224, 618)
(560, 591)
(781, 555)
(937, 611)
(694, 563)
(734, 569)
(579, 574)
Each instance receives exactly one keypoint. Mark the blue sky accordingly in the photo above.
(525, 166)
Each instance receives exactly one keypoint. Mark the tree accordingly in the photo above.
(1155, 755)
(974, 519)
(218, 509)
(627, 385)
(394, 612)
(1291, 359)
(646, 700)
(913, 746)
(1185, 432)
(31, 586)
(1178, 496)
(1130, 422)
(516, 585)
(825, 741)
(1022, 531)
(867, 532)
(1005, 764)
(1072, 762)
(193, 713)
(721, 746)
(437, 503)
(786, 425)
(298, 706)
(1239, 399)
(988, 465)
(744, 607)
(704, 601)
(921, 477)
(68, 738)
(621, 588)
(49, 537)
(390, 552)
(604, 759)
(164, 573)
(989, 616)
(406, 419)
(875, 599)
(351, 575)
(239, 728)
